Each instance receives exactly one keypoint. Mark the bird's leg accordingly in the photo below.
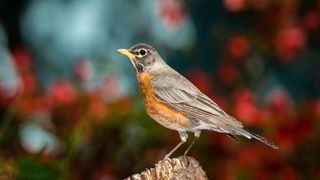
(196, 136)
(183, 137)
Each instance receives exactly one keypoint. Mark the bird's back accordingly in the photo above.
(174, 90)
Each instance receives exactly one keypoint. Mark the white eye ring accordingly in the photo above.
(142, 52)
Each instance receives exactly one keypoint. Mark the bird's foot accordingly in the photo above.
(185, 153)
(167, 156)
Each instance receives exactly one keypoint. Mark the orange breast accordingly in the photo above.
(160, 112)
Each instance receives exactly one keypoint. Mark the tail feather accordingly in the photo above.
(250, 135)
(233, 137)
(264, 140)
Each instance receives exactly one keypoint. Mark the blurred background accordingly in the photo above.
(70, 107)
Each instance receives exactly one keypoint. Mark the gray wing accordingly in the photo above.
(180, 94)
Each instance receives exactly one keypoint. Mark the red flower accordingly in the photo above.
(23, 60)
(228, 73)
(293, 132)
(171, 12)
(311, 21)
(235, 5)
(289, 43)
(61, 92)
(238, 47)
(246, 108)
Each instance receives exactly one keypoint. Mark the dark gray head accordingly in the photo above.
(143, 57)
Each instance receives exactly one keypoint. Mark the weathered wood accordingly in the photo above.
(181, 168)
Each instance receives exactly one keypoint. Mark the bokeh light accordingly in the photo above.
(70, 106)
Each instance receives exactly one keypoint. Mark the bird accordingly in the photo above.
(175, 103)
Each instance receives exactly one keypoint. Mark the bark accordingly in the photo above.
(181, 168)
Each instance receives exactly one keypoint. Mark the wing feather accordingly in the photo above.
(180, 94)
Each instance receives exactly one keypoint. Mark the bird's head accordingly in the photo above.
(143, 57)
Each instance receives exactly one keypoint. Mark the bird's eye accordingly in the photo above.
(143, 52)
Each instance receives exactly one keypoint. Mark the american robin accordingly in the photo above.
(174, 102)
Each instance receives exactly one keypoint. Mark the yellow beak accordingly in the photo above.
(126, 53)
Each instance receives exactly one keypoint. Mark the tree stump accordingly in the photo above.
(181, 168)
